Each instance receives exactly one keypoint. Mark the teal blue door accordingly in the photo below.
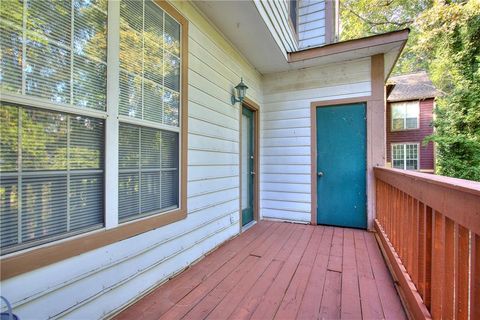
(248, 173)
(341, 166)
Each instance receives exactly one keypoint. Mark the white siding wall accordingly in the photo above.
(311, 23)
(96, 283)
(275, 15)
(285, 136)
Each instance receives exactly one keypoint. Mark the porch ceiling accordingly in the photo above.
(242, 24)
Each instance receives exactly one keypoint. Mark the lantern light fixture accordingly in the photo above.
(240, 91)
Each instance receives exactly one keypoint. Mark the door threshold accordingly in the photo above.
(248, 225)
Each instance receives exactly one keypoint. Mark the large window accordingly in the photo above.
(405, 156)
(405, 115)
(53, 54)
(59, 119)
(51, 175)
(149, 101)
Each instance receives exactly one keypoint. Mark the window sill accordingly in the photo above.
(28, 260)
(402, 130)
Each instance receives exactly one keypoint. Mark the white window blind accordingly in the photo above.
(53, 65)
(405, 156)
(53, 56)
(51, 175)
(150, 95)
(149, 63)
(148, 181)
(55, 50)
(405, 115)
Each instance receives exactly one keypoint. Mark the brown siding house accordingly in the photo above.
(410, 104)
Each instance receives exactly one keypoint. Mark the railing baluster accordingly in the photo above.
(438, 264)
(461, 282)
(415, 236)
(421, 249)
(428, 256)
(475, 278)
(410, 229)
(449, 284)
(395, 220)
(401, 213)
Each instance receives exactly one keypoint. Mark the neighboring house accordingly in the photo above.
(409, 120)
(123, 160)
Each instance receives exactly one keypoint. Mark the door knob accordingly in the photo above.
(320, 173)
(252, 173)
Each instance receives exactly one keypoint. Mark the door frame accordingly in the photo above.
(255, 108)
(376, 134)
(335, 103)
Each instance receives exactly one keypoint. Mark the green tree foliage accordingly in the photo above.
(451, 37)
(363, 18)
(444, 40)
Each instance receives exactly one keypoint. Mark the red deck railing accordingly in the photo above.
(429, 230)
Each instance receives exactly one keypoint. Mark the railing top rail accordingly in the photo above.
(447, 182)
(457, 199)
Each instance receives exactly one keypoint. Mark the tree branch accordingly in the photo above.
(380, 23)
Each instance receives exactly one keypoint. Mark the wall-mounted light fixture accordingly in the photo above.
(240, 90)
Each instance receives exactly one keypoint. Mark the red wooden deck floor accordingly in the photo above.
(281, 271)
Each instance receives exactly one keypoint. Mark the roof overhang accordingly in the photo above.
(243, 25)
(390, 44)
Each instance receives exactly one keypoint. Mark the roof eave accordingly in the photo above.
(349, 45)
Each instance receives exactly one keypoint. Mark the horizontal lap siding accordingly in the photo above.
(276, 16)
(97, 283)
(311, 23)
(426, 129)
(285, 132)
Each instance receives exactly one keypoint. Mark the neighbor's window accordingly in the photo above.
(149, 110)
(405, 115)
(53, 55)
(405, 156)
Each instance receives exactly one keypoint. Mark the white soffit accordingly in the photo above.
(242, 24)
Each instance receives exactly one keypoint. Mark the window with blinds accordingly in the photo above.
(53, 56)
(148, 162)
(149, 102)
(53, 80)
(55, 50)
(51, 175)
(149, 63)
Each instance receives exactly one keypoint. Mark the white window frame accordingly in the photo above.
(404, 144)
(393, 104)
(112, 120)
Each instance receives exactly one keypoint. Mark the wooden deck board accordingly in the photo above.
(282, 271)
